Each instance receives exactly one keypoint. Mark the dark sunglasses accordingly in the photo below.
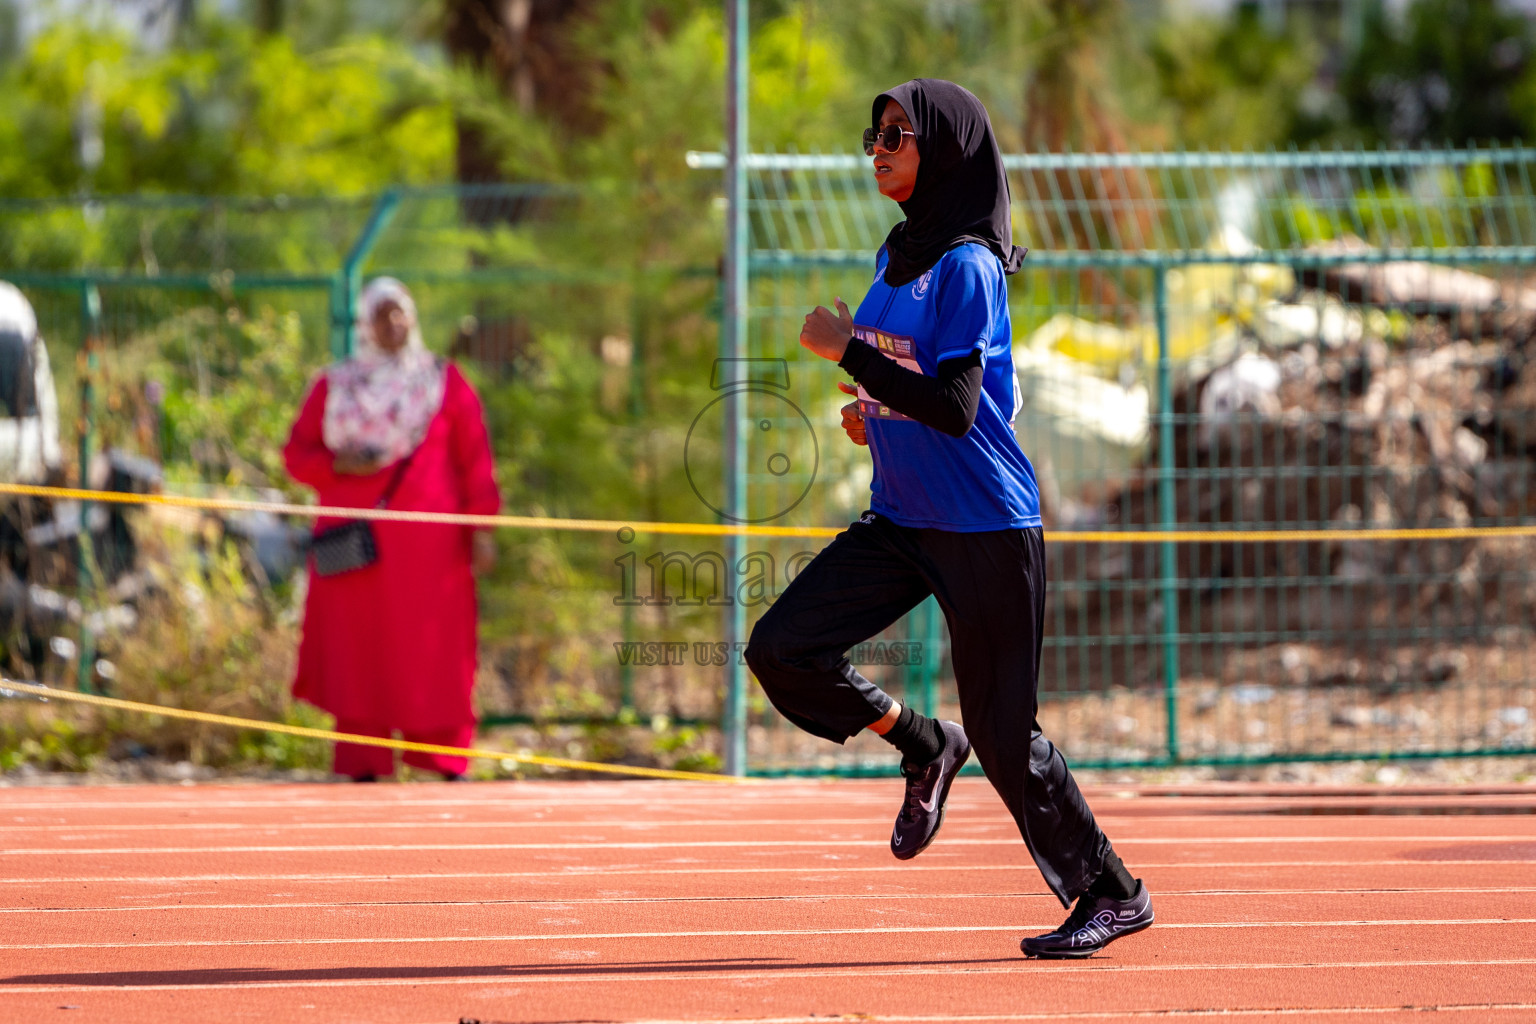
(889, 137)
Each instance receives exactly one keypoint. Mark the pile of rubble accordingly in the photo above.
(1405, 398)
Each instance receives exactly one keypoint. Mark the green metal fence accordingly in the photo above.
(1275, 341)
(187, 329)
(1237, 341)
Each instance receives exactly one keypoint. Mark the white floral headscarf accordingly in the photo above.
(377, 400)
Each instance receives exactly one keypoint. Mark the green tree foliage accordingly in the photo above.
(1235, 82)
(1448, 71)
(230, 112)
(219, 373)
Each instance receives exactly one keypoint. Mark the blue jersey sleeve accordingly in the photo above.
(967, 307)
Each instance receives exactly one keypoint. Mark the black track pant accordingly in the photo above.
(992, 589)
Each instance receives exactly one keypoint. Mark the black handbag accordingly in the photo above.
(352, 545)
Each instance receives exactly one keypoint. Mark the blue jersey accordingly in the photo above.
(924, 477)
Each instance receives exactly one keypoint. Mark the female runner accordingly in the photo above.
(954, 512)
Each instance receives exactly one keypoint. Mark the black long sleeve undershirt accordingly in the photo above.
(947, 402)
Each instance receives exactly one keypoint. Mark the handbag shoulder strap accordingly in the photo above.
(394, 481)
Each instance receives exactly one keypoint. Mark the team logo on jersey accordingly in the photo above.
(920, 286)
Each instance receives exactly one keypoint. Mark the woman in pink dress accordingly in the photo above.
(392, 646)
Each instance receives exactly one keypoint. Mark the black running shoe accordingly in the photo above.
(927, 789)
(1094, 923)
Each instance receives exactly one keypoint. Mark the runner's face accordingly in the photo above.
(896, 173)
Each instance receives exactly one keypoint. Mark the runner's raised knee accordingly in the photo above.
(762, 650)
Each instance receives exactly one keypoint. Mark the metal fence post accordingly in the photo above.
(343, 307)
(929, 670)
(637, 340)
(1167, 512)
(733, 345)
(349, 281)
(90, 315)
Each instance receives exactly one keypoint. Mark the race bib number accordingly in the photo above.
(897, 347)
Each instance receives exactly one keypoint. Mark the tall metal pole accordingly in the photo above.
(1168, 513)
(349, 281)
(933, 637)
(637, 326)
(90, 310)
(733, 345)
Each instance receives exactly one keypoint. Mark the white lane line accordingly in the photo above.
(752, 933)
(739, 797)
(458, 822)
(725, 844)
(1123, 823)
(866, 897)
(447, 822)
(571, 872)
(728, 844)
(756, 795)
(562, 974)
(1523, 823)
(1071, 1015)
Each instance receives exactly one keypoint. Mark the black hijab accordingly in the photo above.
(961, 193)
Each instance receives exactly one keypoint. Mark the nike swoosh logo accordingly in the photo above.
(928, 804)
(896, 839)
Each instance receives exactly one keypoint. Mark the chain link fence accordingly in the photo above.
(1203, 341)
(185, 332)
(1224, 341)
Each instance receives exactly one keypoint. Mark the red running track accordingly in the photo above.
(636, 901)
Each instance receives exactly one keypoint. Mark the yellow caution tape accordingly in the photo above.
(746, 530)
(397, 516)
(1285, 536)
(49, 693)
